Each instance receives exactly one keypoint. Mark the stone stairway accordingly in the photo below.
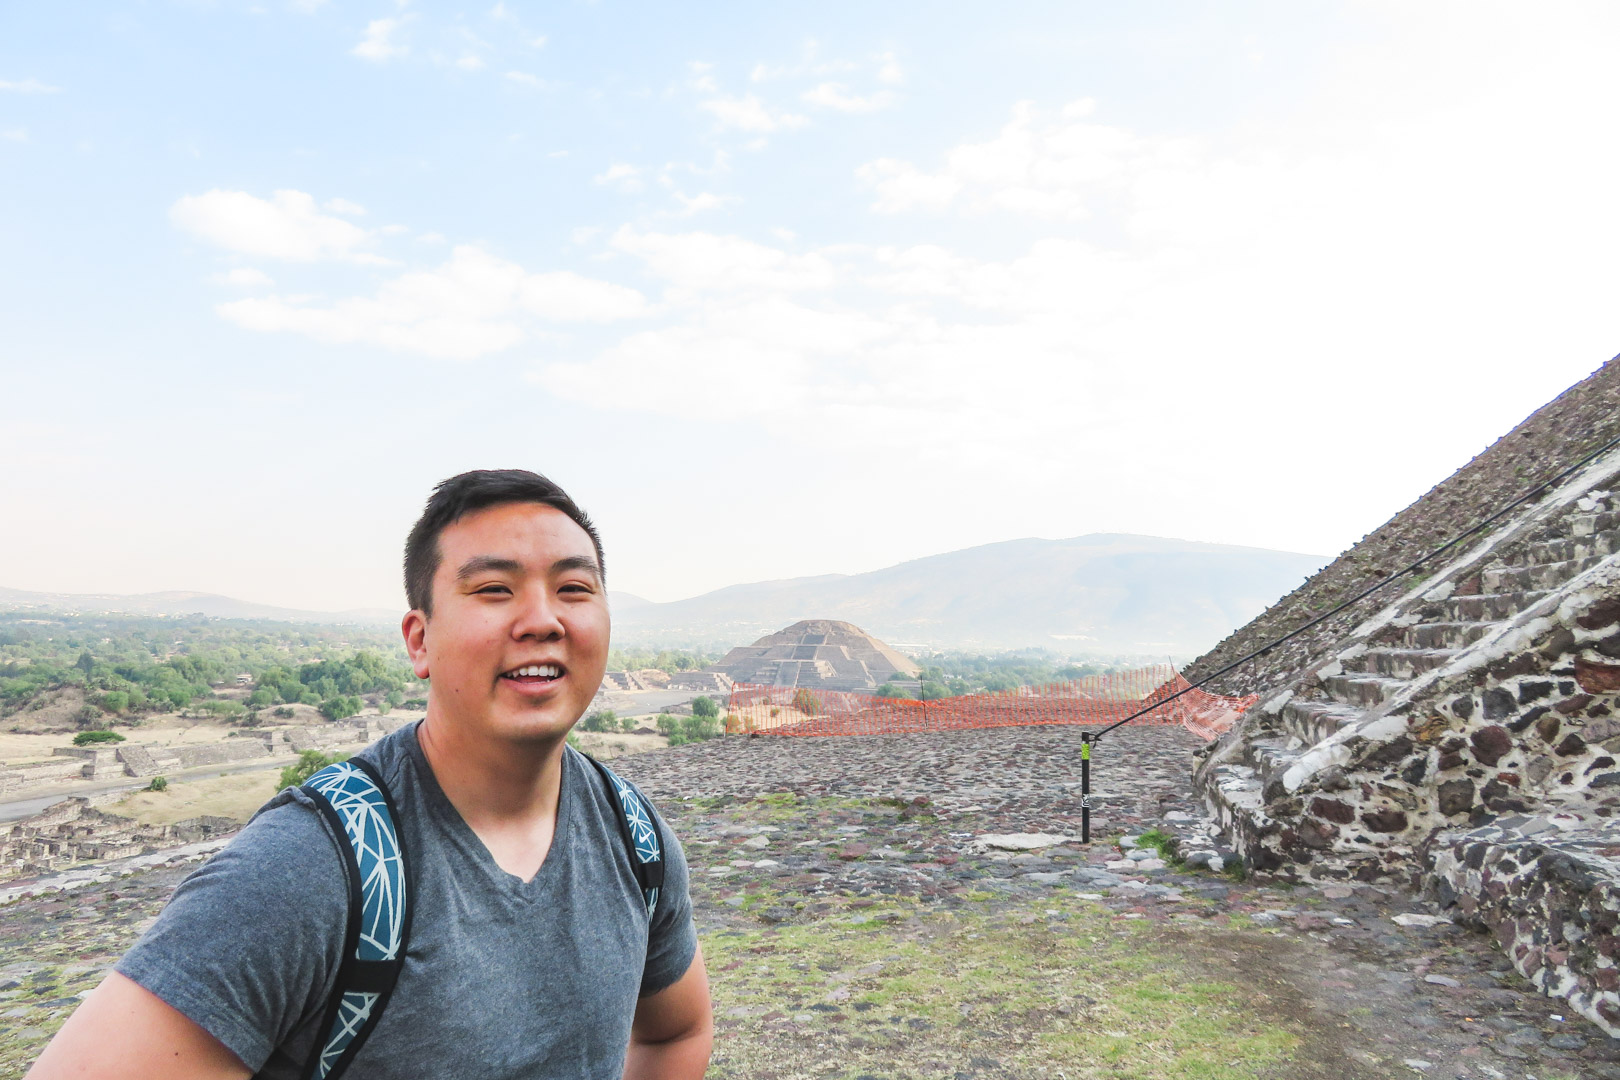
(1465, 716)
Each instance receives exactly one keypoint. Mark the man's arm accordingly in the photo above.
(673, 1031)
(125, 1032)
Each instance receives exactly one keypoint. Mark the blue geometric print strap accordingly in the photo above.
(643, 833)
(362, 809)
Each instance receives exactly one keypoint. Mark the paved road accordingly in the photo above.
(640, 702)
(28, 806)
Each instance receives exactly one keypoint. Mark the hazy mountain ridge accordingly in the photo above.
(1104, 592)
(1111, 593)
(182, 602)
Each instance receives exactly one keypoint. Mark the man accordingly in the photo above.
(531, 953)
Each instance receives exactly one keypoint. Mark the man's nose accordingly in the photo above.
(537, 618)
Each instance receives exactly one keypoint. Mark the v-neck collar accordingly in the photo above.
(446, 817)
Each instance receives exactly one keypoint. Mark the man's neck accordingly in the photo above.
(499, 786)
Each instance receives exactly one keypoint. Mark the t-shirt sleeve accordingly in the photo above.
(249, 945)
(672, 939)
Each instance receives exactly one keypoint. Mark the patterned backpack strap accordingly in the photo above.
(355, 803)
(640, 832)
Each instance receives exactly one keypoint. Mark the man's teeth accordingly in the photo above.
(544, 671)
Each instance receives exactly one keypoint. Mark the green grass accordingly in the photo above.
(1047, 984)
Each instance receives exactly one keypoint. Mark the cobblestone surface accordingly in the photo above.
(784, 832)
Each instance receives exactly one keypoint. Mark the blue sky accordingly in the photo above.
(775, 291)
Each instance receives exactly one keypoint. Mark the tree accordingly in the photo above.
(806, 702)
(85, 663)
(309, 763)
(889, 690)
(336, 708)
(705, 706)
(90, 738)
(114, 701)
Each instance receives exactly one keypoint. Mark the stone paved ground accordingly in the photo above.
(857, 926)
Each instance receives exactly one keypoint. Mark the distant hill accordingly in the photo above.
(1107, 593)
(185, 603)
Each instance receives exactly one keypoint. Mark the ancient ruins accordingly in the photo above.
(1459, 733)
(820, 654)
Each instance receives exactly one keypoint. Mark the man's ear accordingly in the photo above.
(414, 627)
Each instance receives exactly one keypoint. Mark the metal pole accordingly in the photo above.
(1085, 787)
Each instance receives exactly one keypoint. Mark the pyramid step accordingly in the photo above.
(1594, 524)
(1547, 575)
(1486, 607)
(1312, 721)
(1443, 635)
(1400, 663)
(1563, 549)
(1364, 690)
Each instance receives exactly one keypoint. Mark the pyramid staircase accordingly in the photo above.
(1463, 740)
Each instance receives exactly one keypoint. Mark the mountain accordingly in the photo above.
(184, 603)
(1107, 593)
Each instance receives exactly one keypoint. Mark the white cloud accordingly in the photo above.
(14, 134)
(378, 44)
(703, 200)
(835, 96)
(344, 206)
(473, 305)
(748, 113)
(470, 62)
(1053, 166)
(245, 277)
(523, 78)
(890, 71)
(306, 6)
(539, 42)
(620, 176)
(285, 226)
(28, 86)
(701, 262)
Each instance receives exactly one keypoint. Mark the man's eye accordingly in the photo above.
(576, 588)
(494, 590)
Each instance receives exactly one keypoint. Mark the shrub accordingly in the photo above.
(414, 703)
(309, 763)
(158, 784)
(114, 701)
(336, 708)
(600, 720)
(889, 690)
(680, 730)
(89, 738)
(283, 711)
(705, 706)
(806, 702)
(627, 724)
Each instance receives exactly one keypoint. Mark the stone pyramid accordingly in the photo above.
(818, 653)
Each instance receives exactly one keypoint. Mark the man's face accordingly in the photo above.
(518, 639)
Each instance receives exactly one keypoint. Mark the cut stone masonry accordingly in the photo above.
(1464, 740)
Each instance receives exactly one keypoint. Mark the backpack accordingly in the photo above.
(352, 798)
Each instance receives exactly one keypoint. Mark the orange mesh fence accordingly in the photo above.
(1095, 700)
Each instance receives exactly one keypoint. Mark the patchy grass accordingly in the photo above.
(1031, 987)
(236, 796)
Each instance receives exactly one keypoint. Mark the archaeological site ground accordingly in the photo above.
(1402, 859)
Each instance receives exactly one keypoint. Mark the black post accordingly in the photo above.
(1085, 787)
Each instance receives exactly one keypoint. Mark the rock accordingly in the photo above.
(1566, 1042)
(1597, 678)
(1417, 919)
(1442, 980)
(757, 842)
(1417, 1063)
(1019, 841)
(1490, 743)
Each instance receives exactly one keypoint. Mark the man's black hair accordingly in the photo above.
(480, 489)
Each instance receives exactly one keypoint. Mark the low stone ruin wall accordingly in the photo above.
(1549, 890)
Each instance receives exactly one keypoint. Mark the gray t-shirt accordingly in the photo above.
(502, 978)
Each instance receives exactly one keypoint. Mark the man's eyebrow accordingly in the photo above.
(576, 562)
(480, 564)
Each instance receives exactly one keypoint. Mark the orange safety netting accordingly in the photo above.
(1095, 700)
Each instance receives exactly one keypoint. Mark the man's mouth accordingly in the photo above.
(534, 674)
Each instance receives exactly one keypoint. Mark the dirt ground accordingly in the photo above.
(236, 796)
(860, 924)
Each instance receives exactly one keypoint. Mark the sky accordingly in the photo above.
(776, 290)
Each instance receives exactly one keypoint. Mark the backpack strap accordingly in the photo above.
(352, 798)
(639, 828)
